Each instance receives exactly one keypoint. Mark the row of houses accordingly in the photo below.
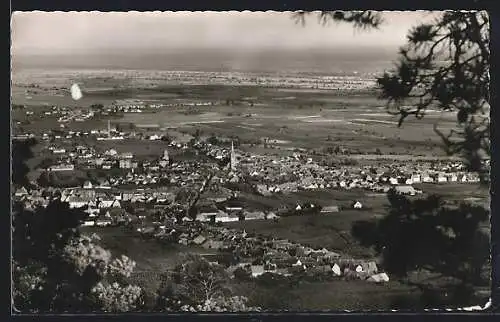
(257, 255)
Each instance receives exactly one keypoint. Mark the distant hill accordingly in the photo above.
(316, 61)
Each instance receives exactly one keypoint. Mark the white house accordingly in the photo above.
(427, 179)
(254, 215)
(336, 270)
(58, 151)
(21, 192)
(224, 217)
(206, 216)
(75, 202)
(257, 270)
(127, 155)
(111, 152)
(272, 215)
(92, 211)
(62, 167)
(104, 184)
(329, 209)
(186, 219)
(116, 204)
(106, 203)
(357, 205)
(125, 164)
(378, 278)
(103, 222)
(406, 190)
(442, 179)
(88, 223)
(234, 208)
(87, 185)
(415, 178)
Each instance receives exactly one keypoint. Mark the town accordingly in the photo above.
(159, 198)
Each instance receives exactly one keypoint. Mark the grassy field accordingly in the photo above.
(154, 258)
(332, 296)
(150, 255)
(322, 197)
(332, 231)
(456, 191)
(311, 119)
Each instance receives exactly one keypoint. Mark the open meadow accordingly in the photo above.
(294, 117)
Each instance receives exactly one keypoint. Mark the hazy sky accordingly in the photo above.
(64, 32)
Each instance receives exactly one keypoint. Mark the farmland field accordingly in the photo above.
(150, 255)
(296, 117)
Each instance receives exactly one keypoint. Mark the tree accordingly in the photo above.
(45, 163)
(97, 107)
(57, 269)
(213, 140)
(21, 152)
(426, 234)
(200, 280)
(445, 65)
(360, 19)
(198, 285)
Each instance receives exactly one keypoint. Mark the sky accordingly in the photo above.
(94, 32)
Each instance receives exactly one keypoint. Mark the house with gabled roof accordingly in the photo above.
(21, 192)
(357, 205)
(87, 185)
(405, 190)
(415, 178)
(106, 203)
(199, 240)
(88, 223)
(442, 178)
(76, 201)
(257, 270)
(103, 222)
(329, 209)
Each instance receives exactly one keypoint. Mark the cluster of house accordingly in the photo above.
(258, 254)
(87, 157)
(76, 116)
(64, 114)
(357, 81)
(103, 208)
(293, 173)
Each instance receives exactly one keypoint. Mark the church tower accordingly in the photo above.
(233, 157)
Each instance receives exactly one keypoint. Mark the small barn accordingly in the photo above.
(357, 205)
(405, 190)
(330, 209)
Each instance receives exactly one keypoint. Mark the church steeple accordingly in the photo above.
(233, 157)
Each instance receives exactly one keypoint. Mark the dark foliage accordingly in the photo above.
(445, 66)
(21, 152)
(428, 235)
(360, 19)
